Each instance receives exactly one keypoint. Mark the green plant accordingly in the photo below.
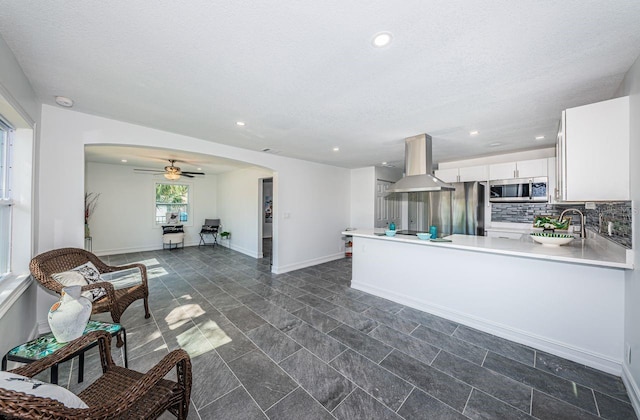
(225, 235)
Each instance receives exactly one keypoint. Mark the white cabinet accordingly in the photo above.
(466, 174)
(502, 170)
(551, 185)
(532, 168)
(522, 169)
(447, 175)
(593, 152)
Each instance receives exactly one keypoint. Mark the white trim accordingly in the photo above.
(632, 388)
(308, 263)
(11, 288)
(592, 359)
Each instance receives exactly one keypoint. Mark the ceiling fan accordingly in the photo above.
(172, 172)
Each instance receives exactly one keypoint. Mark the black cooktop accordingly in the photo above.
(406, 232)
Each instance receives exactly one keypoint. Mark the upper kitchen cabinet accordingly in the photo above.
(466, 174)
(521, 169)
(593, 152)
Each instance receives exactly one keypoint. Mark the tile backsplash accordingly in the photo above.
(615, 215)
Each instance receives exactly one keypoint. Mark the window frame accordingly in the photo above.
(189, 204)
(7, 138)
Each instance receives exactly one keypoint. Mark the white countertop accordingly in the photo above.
(592, 251)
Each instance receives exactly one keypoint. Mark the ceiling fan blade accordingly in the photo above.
(187, 175)
(149, 170)
(192, 173)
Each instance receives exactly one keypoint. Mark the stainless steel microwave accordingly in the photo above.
(521, 190)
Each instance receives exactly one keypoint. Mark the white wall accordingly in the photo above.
(631, 373)
(20, 105)
(240, 208)
(15, 87)
(315, 197)
(123, 220)
(363, 196)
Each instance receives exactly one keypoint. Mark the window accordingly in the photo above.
(6, 139)
(172, 198)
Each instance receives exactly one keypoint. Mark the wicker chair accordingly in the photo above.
(119, 393)
(115, 301)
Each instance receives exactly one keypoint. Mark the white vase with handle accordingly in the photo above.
(69, 316)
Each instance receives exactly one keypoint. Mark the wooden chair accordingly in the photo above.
(115, 301)
(119, 393)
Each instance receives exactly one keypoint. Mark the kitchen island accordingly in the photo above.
(566, 300)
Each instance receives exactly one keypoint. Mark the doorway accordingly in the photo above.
(266, 219)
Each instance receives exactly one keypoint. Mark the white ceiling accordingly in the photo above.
(305, 77)
(148, 158)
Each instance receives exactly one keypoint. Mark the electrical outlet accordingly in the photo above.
(590, 205)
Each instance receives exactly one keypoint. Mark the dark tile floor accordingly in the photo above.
(303, 345)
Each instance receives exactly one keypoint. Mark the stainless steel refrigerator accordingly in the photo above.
(453, 212)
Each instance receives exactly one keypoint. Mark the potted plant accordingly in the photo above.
(225, 235)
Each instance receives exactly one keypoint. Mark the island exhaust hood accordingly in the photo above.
(418, 168)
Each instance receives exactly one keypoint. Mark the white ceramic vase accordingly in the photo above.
(69, 316)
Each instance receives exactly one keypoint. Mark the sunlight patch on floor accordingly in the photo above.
(214, 333)
(148, 262)
(156, 272)
(176, 318)
(192, 310)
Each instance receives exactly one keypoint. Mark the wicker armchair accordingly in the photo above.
(119, 393)
(115, 301)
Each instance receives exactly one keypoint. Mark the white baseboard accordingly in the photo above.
(594, 360)
(253, 254)
(632, 388)
(115, 251)
(41, 327)
(308, 263)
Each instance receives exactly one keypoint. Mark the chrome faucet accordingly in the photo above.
(583, 232)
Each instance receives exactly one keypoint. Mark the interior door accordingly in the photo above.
(387, 209)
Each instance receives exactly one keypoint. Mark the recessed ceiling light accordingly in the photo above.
(198, 169)
(381, 39)
(539, 137)
(240, 123)
(64, 101)
(495, 144)
(336, 149)
(384, 163)
(124, 161)
(473, 133)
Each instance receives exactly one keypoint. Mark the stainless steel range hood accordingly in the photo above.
(418, 168)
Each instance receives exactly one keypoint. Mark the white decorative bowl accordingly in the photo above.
(423, 236)
(390, 232)
(552, 239)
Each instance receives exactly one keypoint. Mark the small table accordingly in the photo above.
(46, 344)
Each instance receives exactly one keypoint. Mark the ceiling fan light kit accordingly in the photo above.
(172, 176)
